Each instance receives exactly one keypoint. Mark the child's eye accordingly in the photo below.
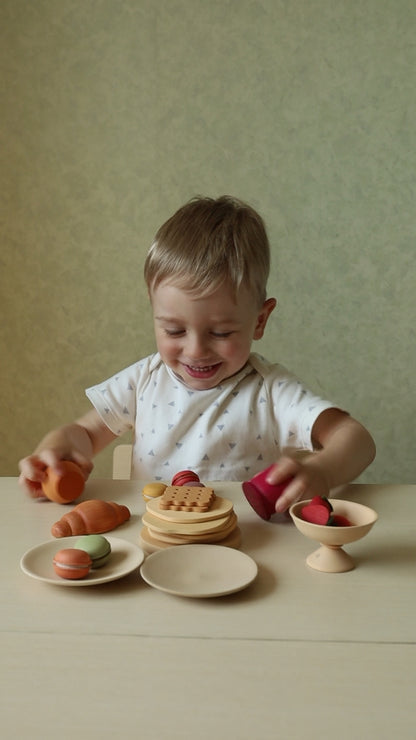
(174, 332)
(221, 334)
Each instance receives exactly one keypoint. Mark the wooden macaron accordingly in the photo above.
(186, 478)
(71, 563)
(97, 547)
(153, 490)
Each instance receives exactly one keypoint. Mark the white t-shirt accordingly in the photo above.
(229, 432)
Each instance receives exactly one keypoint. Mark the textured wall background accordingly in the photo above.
(114, 112)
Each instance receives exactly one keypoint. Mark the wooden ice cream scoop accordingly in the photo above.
(91, 517)
(66, 485)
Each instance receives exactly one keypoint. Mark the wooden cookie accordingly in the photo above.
(220, 508)
(187, 498)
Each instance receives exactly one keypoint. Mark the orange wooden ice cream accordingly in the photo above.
(66, 485)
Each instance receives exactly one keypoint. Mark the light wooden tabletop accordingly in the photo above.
(296, 654)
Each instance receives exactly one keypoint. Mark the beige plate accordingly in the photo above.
(161, 525)
(178, 539)
(199, 571)
(125, 558)
(153, 544)
(220, 508)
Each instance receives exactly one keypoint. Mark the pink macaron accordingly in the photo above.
(72, 563)
(186, 478)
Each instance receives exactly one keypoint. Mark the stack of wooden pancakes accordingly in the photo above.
(185, 515)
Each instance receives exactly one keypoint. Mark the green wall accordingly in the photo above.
(114, 112)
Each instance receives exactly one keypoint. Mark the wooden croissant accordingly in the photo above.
(91, 517)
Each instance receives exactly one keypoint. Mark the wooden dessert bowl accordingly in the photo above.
(330, 557)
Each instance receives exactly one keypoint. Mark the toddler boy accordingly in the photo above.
(204, 401)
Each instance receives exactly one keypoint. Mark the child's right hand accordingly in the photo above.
(77, 442)
(32, 474)
(67, 443)
(33, 470)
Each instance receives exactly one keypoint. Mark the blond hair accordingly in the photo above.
(208, 242)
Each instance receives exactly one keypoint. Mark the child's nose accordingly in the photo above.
(196, 346)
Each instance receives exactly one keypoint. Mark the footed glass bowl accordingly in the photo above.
(330, 557)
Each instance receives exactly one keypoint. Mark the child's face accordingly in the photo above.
(206, 339)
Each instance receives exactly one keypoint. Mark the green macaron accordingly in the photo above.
(97, 547)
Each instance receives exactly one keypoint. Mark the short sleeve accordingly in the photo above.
(115, 398)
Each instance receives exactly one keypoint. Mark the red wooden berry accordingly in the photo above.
(315, 513)
(321, 501)
(315, 501)
(338, 520)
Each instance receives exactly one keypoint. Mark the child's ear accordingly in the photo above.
(268, 306)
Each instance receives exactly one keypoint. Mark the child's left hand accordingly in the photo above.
(344, 449)
(309, 480)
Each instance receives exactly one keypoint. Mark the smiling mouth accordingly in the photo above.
(205, 369)
(202, 372)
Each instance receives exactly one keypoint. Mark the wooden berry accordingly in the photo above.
(320, 511)
(338, 520)
(321, 501)
(315, 513)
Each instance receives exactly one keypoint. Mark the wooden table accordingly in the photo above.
(298, 654)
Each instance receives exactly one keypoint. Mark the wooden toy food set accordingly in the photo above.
(187, 512)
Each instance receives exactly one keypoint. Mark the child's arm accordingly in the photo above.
(78, 442)
(344, 449)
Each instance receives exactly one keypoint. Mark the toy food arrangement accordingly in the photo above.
(188, 512)
(320, 511)
(87, 521)
(261, 495)
(90, 551)
(91, 517)
(65, 486)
